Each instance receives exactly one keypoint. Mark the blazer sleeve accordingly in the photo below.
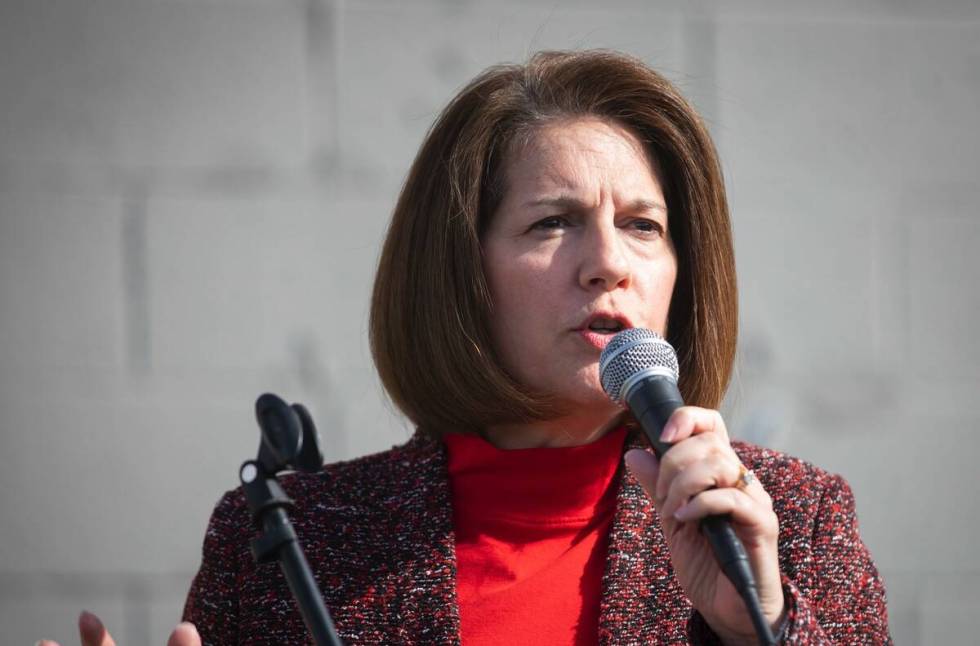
(212, 603)
(836, 595)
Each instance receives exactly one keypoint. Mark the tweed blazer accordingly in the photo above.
(377, 532)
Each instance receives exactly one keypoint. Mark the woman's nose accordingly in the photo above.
(604, 261)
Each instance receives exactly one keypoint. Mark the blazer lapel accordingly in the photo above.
(389, 571)
(429, 614)
(642, 602)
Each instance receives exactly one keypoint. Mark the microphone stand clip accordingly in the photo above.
(289, 441)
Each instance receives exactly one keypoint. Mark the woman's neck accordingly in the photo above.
(553, 433)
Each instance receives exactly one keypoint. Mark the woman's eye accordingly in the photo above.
(647, 226)
(554, 223)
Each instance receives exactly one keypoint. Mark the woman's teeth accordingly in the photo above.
(605, 327)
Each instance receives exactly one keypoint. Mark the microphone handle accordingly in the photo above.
(652, 401)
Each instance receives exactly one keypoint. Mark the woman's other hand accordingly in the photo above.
(698, 477)
(93, 633)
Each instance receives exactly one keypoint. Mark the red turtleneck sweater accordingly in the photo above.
(531, 528)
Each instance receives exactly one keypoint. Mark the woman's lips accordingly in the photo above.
(601, 326)
(597, 340)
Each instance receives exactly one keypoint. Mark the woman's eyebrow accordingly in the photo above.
(639, 205)
(561, 201)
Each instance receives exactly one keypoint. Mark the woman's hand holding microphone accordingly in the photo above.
(702, 476)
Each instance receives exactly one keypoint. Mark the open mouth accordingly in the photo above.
(606, 326)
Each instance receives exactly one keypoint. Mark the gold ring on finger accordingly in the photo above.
(745, 477)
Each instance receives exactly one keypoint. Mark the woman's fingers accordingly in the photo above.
(92, 632)
(700, 459)
(699, 475)
(185, 634)
(692, 451)
(714, 471)
(743, 509)
(691, 420)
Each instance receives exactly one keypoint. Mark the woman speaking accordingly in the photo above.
(551, 205)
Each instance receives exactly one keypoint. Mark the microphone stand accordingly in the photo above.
(289, 440)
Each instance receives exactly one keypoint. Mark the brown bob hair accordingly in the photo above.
(431, 306)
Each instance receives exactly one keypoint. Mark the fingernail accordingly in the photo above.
(90, 626)
(667, 435)
(640, 462)
(681, 513)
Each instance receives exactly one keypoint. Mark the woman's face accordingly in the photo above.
(578, 249)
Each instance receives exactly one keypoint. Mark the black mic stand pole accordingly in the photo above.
(289, 439)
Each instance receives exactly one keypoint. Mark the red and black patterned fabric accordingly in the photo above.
(378, 534)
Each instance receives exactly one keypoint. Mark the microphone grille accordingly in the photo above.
(633, 351)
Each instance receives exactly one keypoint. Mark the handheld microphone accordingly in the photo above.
(638, 369)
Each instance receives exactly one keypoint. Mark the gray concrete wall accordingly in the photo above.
(193, 194)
